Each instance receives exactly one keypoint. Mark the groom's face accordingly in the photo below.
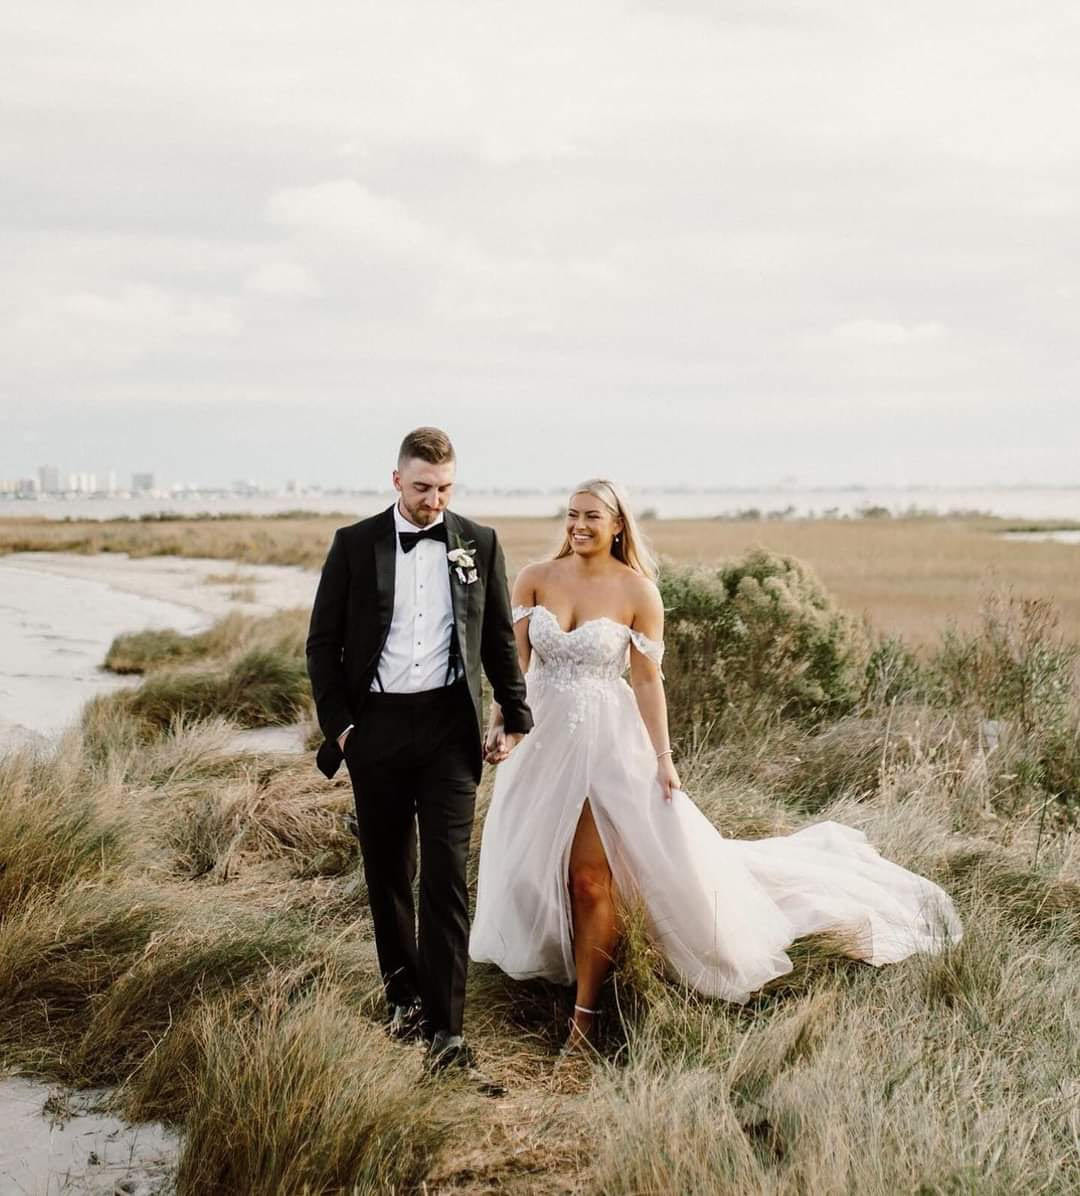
(425, 489)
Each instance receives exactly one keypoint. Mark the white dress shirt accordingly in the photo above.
(416, 654)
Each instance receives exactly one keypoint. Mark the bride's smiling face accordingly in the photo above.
(591, 525)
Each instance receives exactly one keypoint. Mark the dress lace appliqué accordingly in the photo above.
(588, 661)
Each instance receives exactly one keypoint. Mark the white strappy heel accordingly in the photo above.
(577, 1040)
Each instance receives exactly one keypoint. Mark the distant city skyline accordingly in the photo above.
(642, 443)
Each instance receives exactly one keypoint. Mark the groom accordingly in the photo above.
(410, 605)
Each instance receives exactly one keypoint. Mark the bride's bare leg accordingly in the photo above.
(592, 903)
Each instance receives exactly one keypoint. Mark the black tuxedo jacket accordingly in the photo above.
(350, 621)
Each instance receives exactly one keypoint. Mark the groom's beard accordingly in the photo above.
(420, 515)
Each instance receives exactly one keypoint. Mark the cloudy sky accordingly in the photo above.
(716, 241)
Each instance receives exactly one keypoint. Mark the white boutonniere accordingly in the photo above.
(461, 557)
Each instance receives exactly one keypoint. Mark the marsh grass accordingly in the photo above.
(921, 1078)
(249, 669)
(280, 634)
(140, 651)
(257, 689)
(55, 828)
(910, 576)
(230, 579)
(59, 952)
(307, 1097)
(257, 816)
(184, 923)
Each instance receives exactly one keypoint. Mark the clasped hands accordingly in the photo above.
(498, 744)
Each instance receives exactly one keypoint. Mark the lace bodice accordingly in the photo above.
(587, 662)
(596, 650)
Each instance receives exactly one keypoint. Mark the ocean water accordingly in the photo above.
(1015, 502)
(1062, 536)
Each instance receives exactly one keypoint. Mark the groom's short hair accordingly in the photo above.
(429, 444)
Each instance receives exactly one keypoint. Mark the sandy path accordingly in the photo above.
(181, 580)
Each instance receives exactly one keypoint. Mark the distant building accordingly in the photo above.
(142, 483)
(82, 482)
(27, 487)
(49, 479)
(110, 482)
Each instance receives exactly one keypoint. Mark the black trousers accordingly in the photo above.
(410, 759)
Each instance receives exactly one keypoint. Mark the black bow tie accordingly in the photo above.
(409, 540)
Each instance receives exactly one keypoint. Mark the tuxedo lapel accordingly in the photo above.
(459, 593)
(385, 568)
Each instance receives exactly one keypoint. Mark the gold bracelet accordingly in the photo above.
(665, 752)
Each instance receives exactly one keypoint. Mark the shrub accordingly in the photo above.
(892, 671)
(1018, 669)
(1016, 665)
(761, 634)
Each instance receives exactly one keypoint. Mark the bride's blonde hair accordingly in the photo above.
(629, 545)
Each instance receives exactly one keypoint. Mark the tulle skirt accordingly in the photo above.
(721, 911)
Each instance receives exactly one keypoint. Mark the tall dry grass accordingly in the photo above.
(911, 577)
(304, 1097)
(249, 669)
(184, 923)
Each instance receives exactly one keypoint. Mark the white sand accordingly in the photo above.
(179, 580)
(60, 611)
(80, 1151)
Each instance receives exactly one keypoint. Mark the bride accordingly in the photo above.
(589, 808)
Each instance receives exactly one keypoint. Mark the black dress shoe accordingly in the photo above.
(450, 1053)
(406, 1022)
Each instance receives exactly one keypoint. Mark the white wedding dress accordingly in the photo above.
(721, 911)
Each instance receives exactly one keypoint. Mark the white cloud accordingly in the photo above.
(283, 278)
(343, 208)
(875, 333)
(760, 201)
(114, 328)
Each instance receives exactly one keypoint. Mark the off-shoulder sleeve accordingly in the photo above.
(522, 612)
(653, 649)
